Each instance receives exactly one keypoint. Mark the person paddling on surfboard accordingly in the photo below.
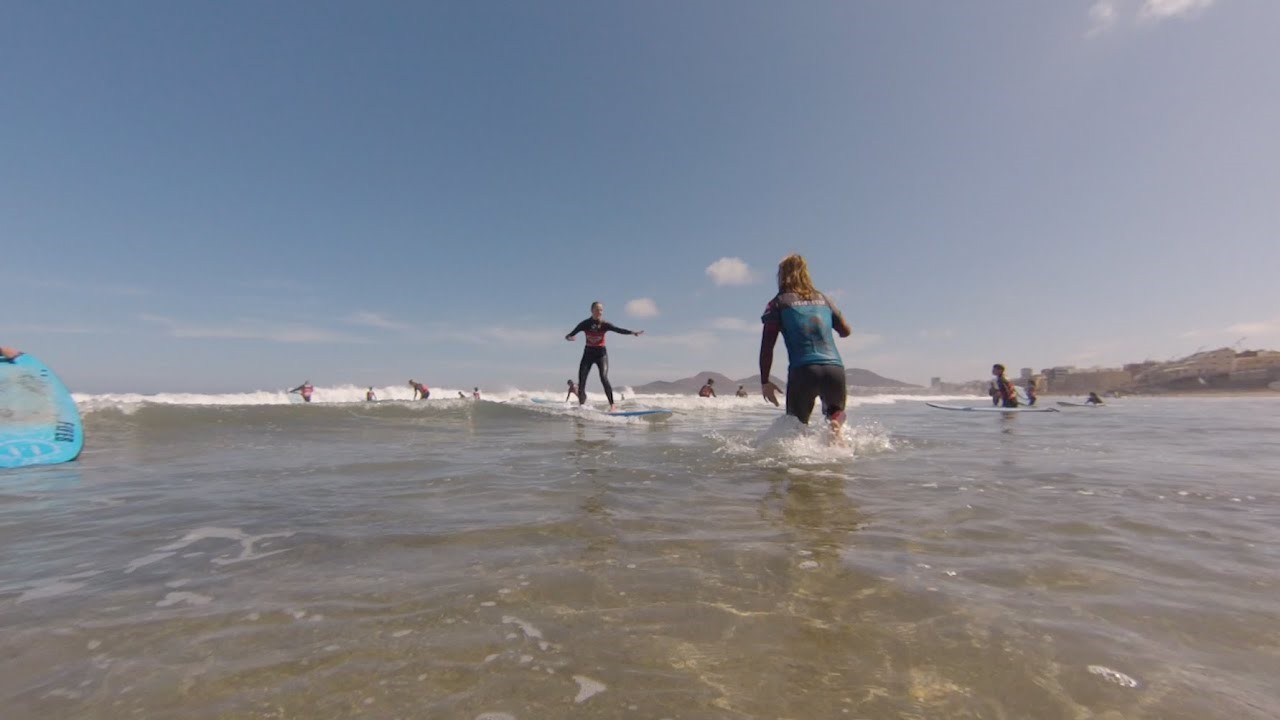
(9, 354)
(1006, 393)
(805, 319)
(305, 390)
(1093, 399)
(594, 353)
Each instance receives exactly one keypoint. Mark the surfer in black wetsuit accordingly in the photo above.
(1006, 393)
(595, 353)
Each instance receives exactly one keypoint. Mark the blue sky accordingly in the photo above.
(217, 196)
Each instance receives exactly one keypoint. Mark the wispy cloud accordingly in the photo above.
(695, 340)
(733, 324)
(1255, 329)
(374, 320)
(642, 308)
(730, 271)
(252, 330)
(858, 342)
(1160, 9)
(1104, 15)
(11, 330)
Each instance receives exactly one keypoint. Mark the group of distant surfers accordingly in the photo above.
(803, 316)
(1005, 394)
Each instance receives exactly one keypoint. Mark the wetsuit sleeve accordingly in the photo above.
(582, 326)
(772, 319)
(772, 314)
(621, 331)
(837, 319)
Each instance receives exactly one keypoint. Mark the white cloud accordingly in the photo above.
(374, 320)
(252, 330)
(1102, 16)
(1255, 328)
(729, 271)
(1105, 15)
(642, 308)
(1160, 9)
(733, 324)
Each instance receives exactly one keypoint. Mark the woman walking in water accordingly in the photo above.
(595, 353)
(805, 318)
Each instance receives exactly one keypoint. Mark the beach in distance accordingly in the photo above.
(242, 556)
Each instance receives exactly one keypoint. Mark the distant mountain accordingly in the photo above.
(724, 385)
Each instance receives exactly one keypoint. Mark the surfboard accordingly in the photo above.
(1023, 409)
(39, 422)
(1064, 403)
(638, 413)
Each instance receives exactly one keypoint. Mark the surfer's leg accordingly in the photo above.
(603, 363)
(834, 394)
(584, 369)
(802, 391)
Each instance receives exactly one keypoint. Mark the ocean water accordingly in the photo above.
(243, 557)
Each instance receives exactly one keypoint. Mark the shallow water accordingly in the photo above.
(496, 560)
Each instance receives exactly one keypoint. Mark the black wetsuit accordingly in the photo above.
(596, 354)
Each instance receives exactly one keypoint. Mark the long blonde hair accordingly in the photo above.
(793, 276)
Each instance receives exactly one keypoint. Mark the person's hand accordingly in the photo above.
(638, 333)
(770, 392)
(569, 338)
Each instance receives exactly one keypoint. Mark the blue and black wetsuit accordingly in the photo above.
(596, 354)
(815, 368)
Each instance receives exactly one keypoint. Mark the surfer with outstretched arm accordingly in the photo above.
(805, 318)
(595, 353)
(305, 390)
(9, 354)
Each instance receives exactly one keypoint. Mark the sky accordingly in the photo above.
(225, 196)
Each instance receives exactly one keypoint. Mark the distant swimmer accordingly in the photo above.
(420, 391)
(573, 390)
(742, 391)
(370, 395)
(805, 319)
(462, 395)
(1031, 392)
(1093, 399)
(475, 394)
(1006, 393)
(9, 354)
(305, 390)
(707, 390)
(595, 352)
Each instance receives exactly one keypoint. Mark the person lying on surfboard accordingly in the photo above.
(1006, 393)
(1093, 399)
(805, 318)
(595, 352)
(9, 354)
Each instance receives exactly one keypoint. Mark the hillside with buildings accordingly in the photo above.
(1224, 369)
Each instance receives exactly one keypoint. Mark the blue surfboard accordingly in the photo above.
(39, 422)
(638, 413)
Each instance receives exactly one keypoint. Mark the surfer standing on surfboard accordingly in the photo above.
(805, 318)
(595, 353)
